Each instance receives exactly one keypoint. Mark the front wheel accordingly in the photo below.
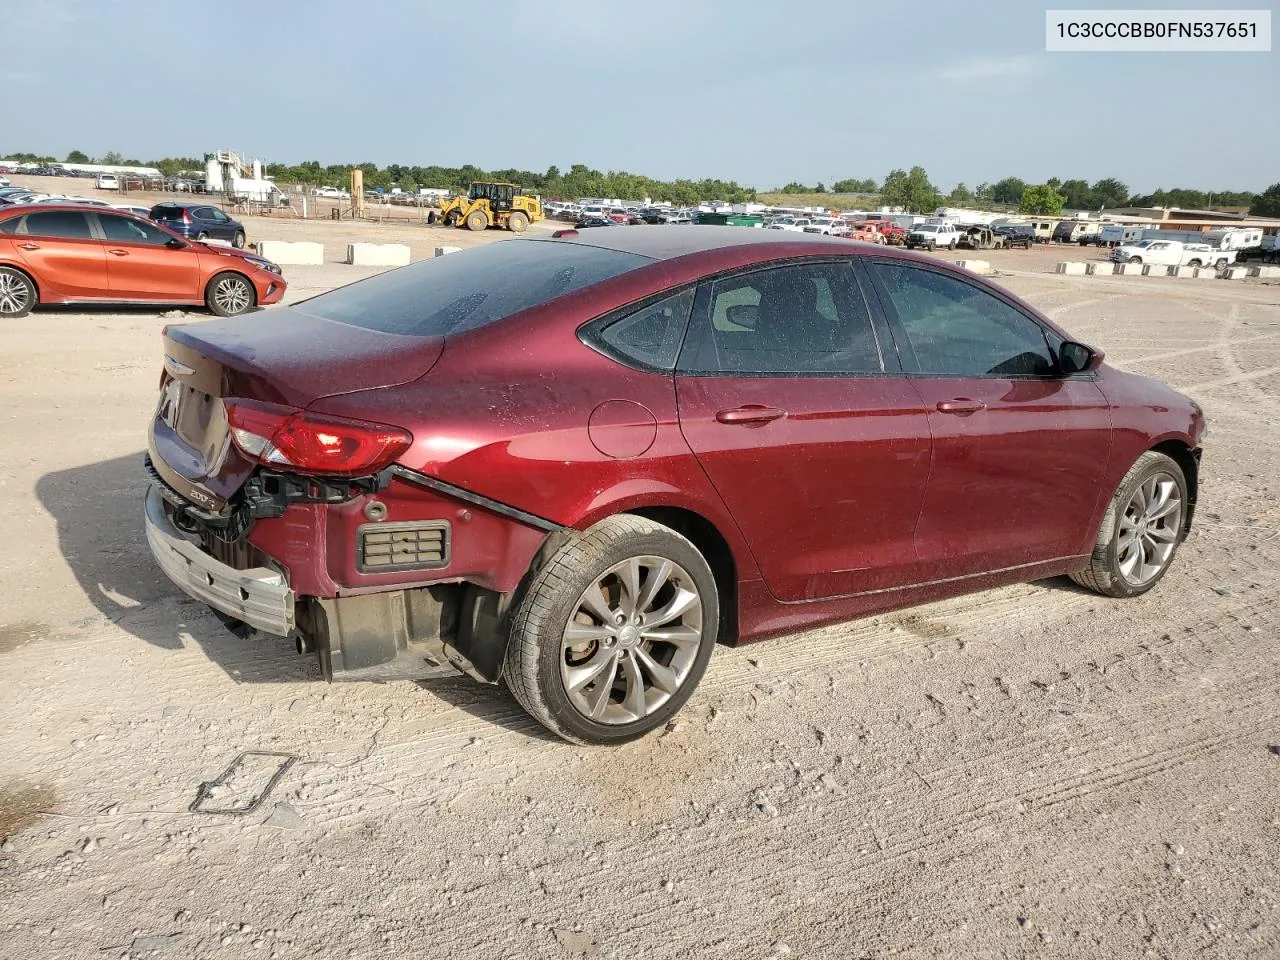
(614, 632)
(230, 294)
(1141, 531)
(1135, 259)
(17, 294)
(477, 221)
(951, 245)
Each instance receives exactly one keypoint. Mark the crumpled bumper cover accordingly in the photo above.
(258, 596)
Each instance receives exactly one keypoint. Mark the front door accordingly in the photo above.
(140, 265)
(67, 260)
(1019, 451)
(819, 451)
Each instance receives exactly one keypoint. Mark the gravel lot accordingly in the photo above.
(1032, 771)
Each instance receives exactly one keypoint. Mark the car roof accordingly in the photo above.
(182, 203)
(659, 242)
(20, 208)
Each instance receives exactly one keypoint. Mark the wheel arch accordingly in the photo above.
(20, 268)
(711, 543)
(1188, 460)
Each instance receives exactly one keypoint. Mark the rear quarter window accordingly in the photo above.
(10, 225)
(466, 290)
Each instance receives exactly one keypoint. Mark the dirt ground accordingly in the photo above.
(1028, 772)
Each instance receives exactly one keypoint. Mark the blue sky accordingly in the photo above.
(760, 93)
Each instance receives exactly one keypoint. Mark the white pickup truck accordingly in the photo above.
(1172, 253)
(933, 235)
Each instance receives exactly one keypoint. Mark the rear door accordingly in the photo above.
(141, 266)
(1019, 452)
(63, 253)
(819, 450)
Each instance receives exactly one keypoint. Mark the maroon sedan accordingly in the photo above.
(577, 463)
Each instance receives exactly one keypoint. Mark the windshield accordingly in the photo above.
(466, 290)
(927, 228)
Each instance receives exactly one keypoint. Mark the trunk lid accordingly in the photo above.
(282, 357)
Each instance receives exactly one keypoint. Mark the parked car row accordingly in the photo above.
(94, 253)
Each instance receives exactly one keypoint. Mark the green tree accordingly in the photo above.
(1078, 193)
(113, 159)
(1008, 190)
(1267, 203)
(820, 188)
(853, 185)
(911, 191)
(1110, 192)
(77, 156)
(1041, 199)
(961, 194)
(982, 193)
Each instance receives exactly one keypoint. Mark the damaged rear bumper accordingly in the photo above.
(259, 596)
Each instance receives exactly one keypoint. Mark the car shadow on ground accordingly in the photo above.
(98, 510)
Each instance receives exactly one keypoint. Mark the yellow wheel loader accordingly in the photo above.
(492, 205)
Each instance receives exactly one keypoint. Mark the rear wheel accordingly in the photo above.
(1141, 530)
(517, 222)
(238, 240)
(17, 293)
(230, 294)
(202, 235)
(1195, 263)
(614, 633)
(477, 220)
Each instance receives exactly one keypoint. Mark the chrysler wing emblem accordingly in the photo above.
(177, 369)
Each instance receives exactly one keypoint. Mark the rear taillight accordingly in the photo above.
(186, 215)
(293, 439)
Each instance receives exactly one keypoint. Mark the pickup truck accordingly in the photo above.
(791, 224)
(1172, 253)
(866, 232)
(933, 235)
(828, 226)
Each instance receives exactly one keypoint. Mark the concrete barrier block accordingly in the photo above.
(975, 266)
(1129, 269)
(441, 251)
(378, 254)
(1236, 273)
(1206, 273)
(1156, 270)
(1072, 269)
(1264, 273)
(286, 253)
(1101, 268)
(1183, 271)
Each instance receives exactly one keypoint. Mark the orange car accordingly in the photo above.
(86, 254)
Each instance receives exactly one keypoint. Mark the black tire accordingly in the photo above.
(951, 245)
(933, 247)
(238, 240)
(1103, 574)
(477, 221)
(534, 654)
(202, 235)
(218, 298)
(17, 294)
(517, 222)
(1195, 263)
(1135, 259)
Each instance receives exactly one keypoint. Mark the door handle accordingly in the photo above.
(118, 253)
(961, 406)
(751, 413)
(29, 246)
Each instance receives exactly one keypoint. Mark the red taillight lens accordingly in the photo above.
(295, 440)
(186, 215)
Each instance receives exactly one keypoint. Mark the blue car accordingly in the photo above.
(198, 220)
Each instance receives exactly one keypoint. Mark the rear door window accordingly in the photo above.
(166, 213)
(65, 224)
(466, 290)
(128, 230)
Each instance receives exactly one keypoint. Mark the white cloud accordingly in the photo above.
(987, 68)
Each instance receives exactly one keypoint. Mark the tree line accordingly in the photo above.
(910, 189)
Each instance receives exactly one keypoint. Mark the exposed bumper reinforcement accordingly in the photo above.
(259, 596)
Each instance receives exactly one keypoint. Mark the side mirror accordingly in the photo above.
(1078, 358)
(173, 243)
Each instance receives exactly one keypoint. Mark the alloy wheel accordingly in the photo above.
(632, 640)
(15, 295)
(232, 295)
(1148, 529)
